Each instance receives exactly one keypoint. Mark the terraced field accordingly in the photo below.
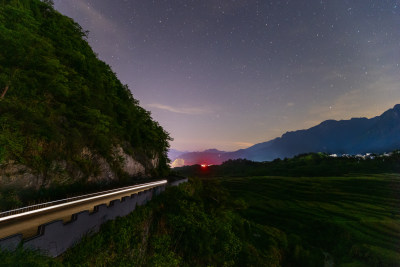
(351, 220)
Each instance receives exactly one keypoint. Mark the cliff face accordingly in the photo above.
(65, 117)
(15, 174)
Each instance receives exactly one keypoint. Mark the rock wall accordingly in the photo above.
(129, 165)
(12, 173)
(17, 175)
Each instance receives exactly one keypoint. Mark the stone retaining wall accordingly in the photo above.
(56, 237)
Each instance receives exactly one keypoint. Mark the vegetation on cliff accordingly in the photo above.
(60, 106)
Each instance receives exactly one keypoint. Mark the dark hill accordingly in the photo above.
(65, 116)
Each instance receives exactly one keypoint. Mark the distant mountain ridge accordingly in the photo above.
(357, 135)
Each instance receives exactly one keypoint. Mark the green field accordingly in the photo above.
(352, 220)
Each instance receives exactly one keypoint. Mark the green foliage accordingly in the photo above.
(182, 227)
(375, 256)
(353, 220)
(22, 257)
(195, 224)
(61, 97)
(9, 198)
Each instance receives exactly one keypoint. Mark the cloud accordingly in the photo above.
(178, 163)
(181, 110)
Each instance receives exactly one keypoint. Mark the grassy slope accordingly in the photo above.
(355, 219)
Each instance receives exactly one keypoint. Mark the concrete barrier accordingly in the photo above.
(56, 237)
(10, 242)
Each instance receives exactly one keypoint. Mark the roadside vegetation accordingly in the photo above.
(251, 221)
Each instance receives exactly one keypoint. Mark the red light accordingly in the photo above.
(203, 165)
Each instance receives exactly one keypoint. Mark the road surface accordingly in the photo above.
(27, 223)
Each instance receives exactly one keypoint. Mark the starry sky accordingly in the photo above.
(227, 74)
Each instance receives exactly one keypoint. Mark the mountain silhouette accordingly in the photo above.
(354, 136)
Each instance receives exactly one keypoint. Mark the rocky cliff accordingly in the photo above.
(65, 116)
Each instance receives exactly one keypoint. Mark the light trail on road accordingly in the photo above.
(27, 223)
(52, 203)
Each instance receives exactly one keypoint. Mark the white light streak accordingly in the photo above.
(82, 200)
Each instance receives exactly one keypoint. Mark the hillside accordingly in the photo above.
(354, 136)
(65, 116)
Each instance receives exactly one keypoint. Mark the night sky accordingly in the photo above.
(227, 74)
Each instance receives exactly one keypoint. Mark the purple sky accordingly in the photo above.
(229, 74)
